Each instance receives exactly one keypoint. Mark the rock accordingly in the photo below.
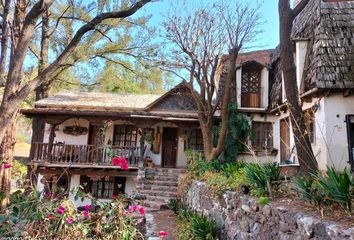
(244, 226)
(246, 208)
(267, 211)
(256, 229)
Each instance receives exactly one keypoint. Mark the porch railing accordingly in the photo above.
(83, 154)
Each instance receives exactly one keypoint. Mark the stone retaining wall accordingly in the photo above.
(241, 217)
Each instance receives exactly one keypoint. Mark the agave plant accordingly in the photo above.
(337, 187)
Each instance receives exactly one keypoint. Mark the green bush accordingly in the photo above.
(336, 186)
(309, 190)
(174, 205)
(192, 225)
(264, 177)
(218, 183)
(202, 228)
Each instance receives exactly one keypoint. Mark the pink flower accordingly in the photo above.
(48, 194)
(163, 234)
(132, 208)
(120, 161)
(140, 220)
(51, 216)
(88, 207)
(85, 214)
(69, 220)
(61, 210)
(7, 165)
(141, 209)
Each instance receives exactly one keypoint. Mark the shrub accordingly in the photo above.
(174, 205)
(218, 183)
(202, 228)
(336, 186)
(264, 177)
(309, 190)
(263, 201)
(31, 216)
(192, 225)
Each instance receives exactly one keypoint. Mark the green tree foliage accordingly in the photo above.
(238, 131)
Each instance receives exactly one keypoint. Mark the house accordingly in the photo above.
(323, 36)
(324, 59)
(84, 130)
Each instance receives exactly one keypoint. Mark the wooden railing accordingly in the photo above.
(83, 154)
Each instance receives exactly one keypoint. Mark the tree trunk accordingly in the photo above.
(6, 156)
(4, 39)
(38, 124)
(211, 152)
(304, 151)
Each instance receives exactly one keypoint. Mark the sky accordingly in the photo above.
(269, 12)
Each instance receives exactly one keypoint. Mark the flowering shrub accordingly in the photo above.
(30, 216)
(120, 161)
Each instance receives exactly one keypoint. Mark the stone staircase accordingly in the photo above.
(159, 186)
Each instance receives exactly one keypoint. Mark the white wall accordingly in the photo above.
(60, 136)
(336, 108)
(300, 56)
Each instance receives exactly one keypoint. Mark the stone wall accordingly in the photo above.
(241, 217)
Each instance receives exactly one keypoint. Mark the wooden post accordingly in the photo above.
(51, 140)
(141, 159)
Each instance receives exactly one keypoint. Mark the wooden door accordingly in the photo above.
(169, 147)
(284, 140)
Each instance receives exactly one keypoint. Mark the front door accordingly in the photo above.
(284, 140)
(169, 147)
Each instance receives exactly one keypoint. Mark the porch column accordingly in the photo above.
(50, 141)
(141, 159)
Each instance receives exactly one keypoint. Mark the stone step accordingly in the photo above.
(153, 204)
(159, 188)
(171, 170)
(158, 199)
(159, 193)
(166, 178)
(161, 183)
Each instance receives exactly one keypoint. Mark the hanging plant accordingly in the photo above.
(75, 130)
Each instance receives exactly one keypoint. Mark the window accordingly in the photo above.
(310, 124)
(263, 135)
(251, 87)
(125, 135)
(104, 187)
(195, 140)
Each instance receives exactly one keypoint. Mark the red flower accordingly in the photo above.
(115, 196)
(7, 165)
(120, 161)
(141, 210)
(163, 234)
(51, 216)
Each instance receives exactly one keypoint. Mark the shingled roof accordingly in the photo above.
(329, 28)
(95, 100)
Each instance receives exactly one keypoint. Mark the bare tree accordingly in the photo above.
(200, 38)
(4, 38)
(16, 89)
(305, 154)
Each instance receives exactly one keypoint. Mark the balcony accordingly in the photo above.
(59, 154)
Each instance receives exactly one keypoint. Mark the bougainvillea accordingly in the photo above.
(30, 216)
(120, 161)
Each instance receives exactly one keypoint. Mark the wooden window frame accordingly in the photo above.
(260, 137)
(195, 140)
(123, 135)
(310, 123)
(104, 187)
(251, 87)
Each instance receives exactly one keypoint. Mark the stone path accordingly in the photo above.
(162, 220)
